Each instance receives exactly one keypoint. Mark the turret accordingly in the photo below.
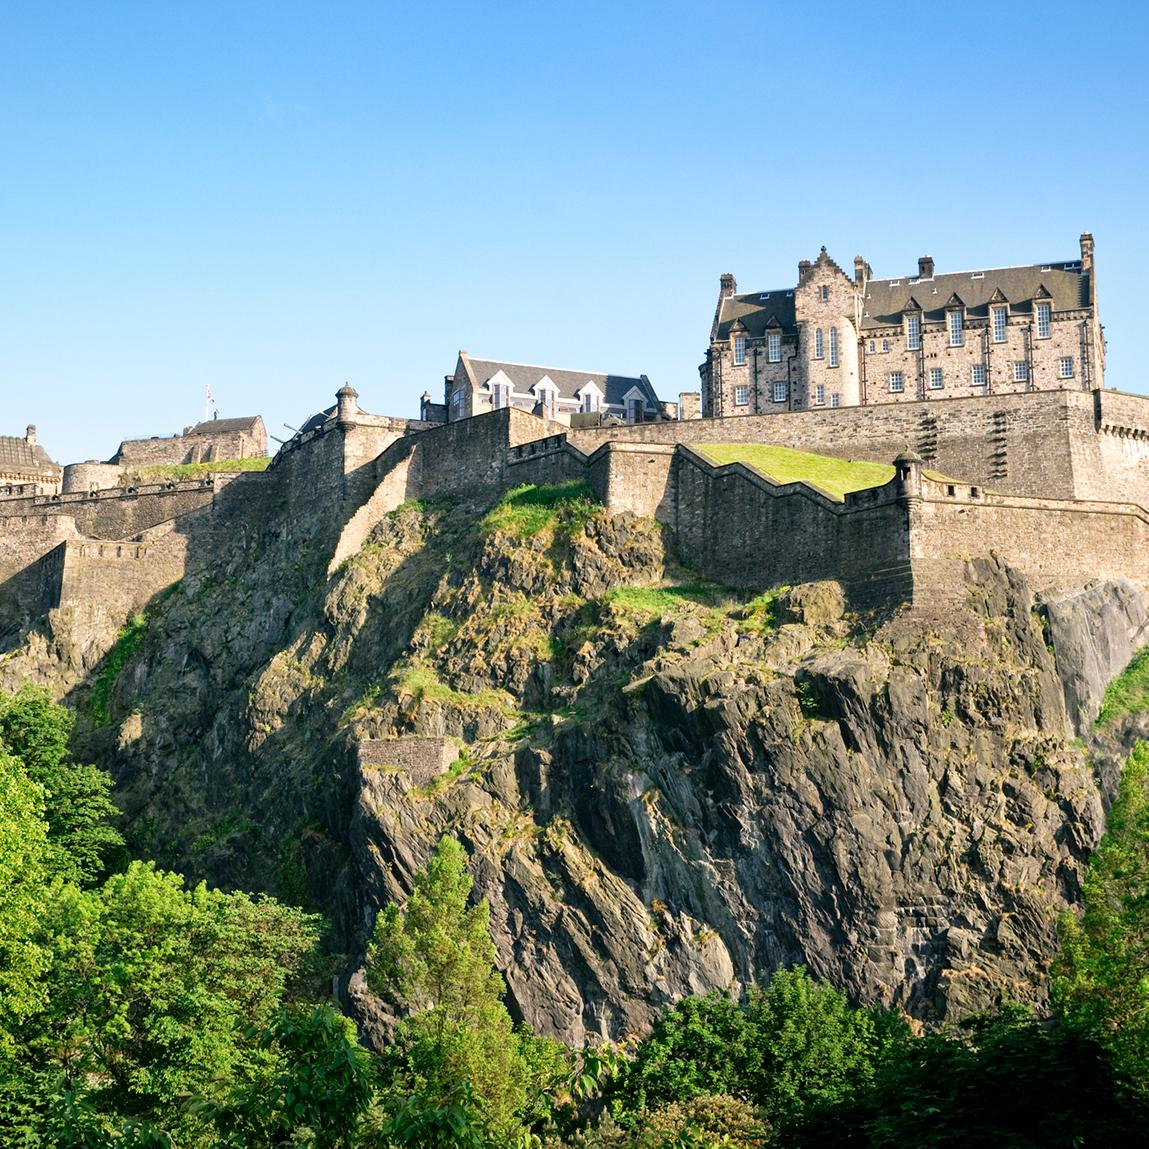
(348, 399)
(30, 435)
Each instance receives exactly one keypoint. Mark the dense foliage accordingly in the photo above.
(135, 1011)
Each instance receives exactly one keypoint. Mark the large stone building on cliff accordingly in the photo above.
(26, 468)
(837, 341)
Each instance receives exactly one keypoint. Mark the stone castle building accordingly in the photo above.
(839, 341)
(26, 468)
(481, 385)
(206, 442)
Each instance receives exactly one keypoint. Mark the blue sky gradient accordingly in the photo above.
(275, 198)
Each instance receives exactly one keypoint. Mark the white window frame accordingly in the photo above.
(780, 393)
(549, 398)
(1000, 324)
(589, 401)
(897, 382)
(1020, 371)
(774, 347)
(833, 347)
(635, 408)
(885, 346)
(739, 350)
(835, 400)
(742, 395)
(819, 343)
(1065, 367)
(937, 379)
(820, 395)
(978, 376)
(500, 395)
(1043, 319)
(457, 400)
(955, 323)
(913, 331)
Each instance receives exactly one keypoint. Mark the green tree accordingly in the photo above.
(77, 808)
(1101, 977)
(435, 960)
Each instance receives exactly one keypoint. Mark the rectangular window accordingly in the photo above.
(590, 401)
(825, 293)
(833, 347)
(741, 396)
(819, 344)
(835, 400)
(936, 381)
(1000, 316)
(977, 375)
(957, 329)
(498, 395)
(885, 345)
(913, 332)
(871, 347)
(819, 395)
(897, 381)
(779, 392)
(774, 347)
(1020, 371)
(1065, 367)
(1043, 313)
(739, 349)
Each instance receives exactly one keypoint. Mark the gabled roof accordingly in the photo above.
(524, 376)
(1065, 284)
(19, 456)
(757, 311)
(225, 426)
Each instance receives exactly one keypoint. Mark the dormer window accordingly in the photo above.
(819, 344)
(833, 347)
(1000, 320)
(499, 395)
(913, 331)
(774, 347)
(548, 397)
(1043, 313)
(739, 350)
(956, 328)
(590, 401)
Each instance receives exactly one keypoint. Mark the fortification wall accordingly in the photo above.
(1111, 448)
(121, 578)
(1017, 444)
(85, 478)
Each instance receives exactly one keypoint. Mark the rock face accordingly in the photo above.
(663, 788)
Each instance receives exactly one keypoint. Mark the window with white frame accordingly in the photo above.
(819, 395)
(1065, 367)
(835, 400)
(956, 328)
(634, 410)
(499, 395)
(739, 349)
(897, 381)
(1020, 371)
(913, 331)
(548, 397)
(819, 343)
(458, 398)
(741, 396)
(833, 347)
(1044, 311)
(1000, 319)
(977, 375)
(937, 381)
(779, 392)
(885, 346)
(824, 292)
(872, 347)
(774, 347)
(590, 401)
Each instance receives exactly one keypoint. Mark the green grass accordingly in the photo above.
(128, 639)
(528, 510)
(1128, 693)
(162, 473)
(836, 477)
(420, 680)
(661, 600)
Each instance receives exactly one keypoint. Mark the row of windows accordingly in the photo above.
(779, 393)
(978, 374)
(820, 345)
(773, 348)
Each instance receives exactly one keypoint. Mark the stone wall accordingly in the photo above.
(423, 759)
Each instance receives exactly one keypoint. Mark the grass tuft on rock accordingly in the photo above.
(1128, 693)
(528, 510)
(834, 477)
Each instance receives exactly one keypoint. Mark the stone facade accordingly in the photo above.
(26, 468)
(206, 442)
(839, 340)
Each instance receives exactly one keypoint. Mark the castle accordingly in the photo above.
(1054, 479)
(836, 341)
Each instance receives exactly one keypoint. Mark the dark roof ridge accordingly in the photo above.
(543, 367)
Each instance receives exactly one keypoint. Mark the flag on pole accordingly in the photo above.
(210, 407)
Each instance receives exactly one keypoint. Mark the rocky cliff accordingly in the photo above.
(665, 787)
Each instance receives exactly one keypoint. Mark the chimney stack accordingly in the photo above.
(728, 285)
(1086, 251)
(30, 435)
(860, 269)
(926, 267)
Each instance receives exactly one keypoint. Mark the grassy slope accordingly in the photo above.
(161, 473)
(834, 476)
(1128, 693)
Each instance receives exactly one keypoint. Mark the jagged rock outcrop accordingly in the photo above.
(664, 787)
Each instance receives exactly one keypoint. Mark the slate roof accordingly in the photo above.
(18, 455)
(757, 311)
(886, 299)
(223, 426)
(525, 375)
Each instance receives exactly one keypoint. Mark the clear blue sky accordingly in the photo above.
(274, 198)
